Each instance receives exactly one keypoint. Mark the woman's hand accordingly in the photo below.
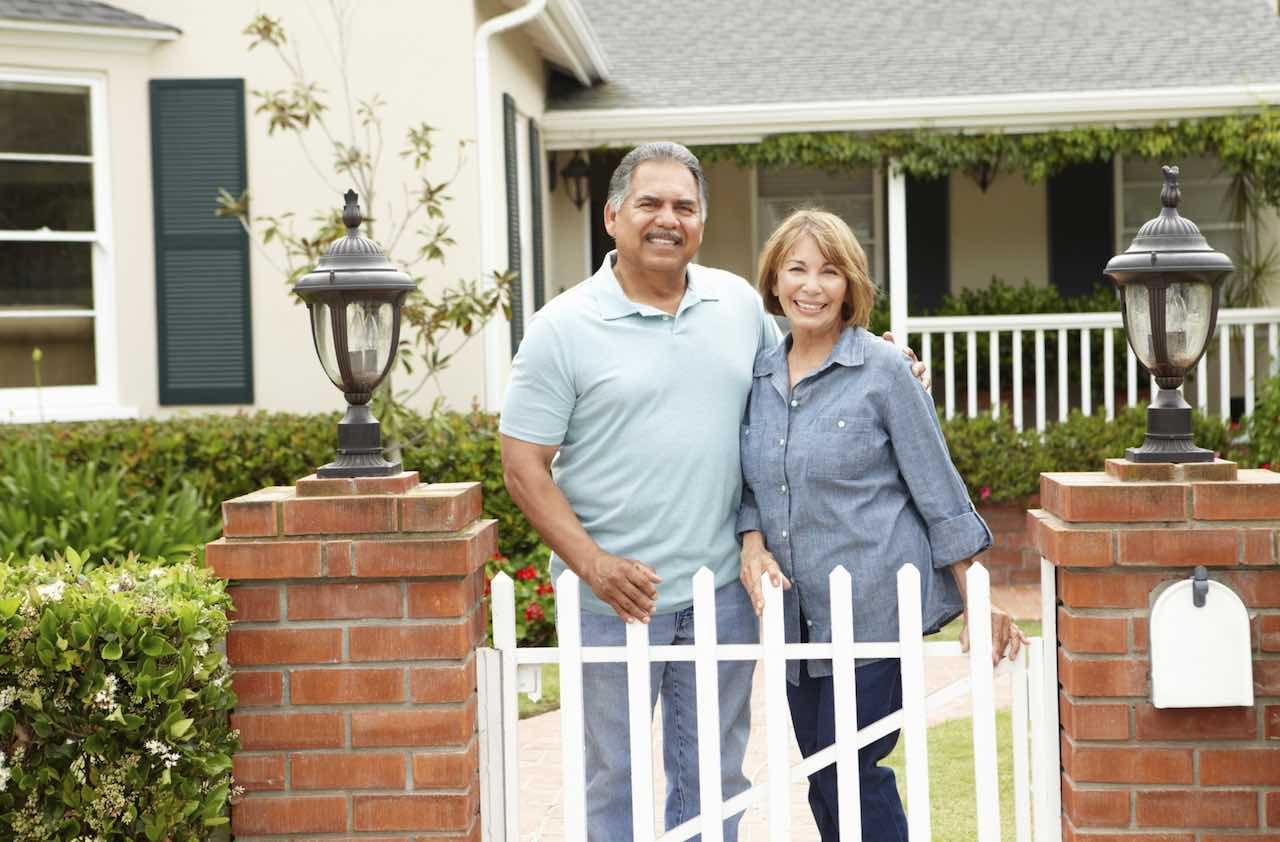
(756, 561)
(1005, 634)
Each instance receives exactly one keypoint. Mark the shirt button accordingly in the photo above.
(795, 403)
(782, 441)
(839, 423)
(784, 533)
(810, 622)
(666, 318)
(784, 489)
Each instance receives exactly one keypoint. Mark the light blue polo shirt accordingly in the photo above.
(646, 409)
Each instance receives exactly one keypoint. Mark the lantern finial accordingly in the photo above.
(351, 216)
(1170, 194)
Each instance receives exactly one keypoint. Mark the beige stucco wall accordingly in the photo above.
(729, 241)
(1003, 232)
(568, 237)
(422, 68)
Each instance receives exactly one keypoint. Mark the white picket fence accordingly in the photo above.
(1236, 352)
(1033, 737)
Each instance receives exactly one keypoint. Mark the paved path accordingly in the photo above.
(541, 817)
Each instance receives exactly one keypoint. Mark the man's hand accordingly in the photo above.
(1005, 634)
(919, 370)
(756, 561)
(628, 586)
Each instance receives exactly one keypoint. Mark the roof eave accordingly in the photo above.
(584, 128)
(569, 28)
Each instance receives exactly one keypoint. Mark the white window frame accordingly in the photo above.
(1124, 235)
(101, 400)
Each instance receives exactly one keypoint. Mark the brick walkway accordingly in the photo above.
(541, 817)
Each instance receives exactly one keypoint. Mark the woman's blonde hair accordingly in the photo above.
(837, 244)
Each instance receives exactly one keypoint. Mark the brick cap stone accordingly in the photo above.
(1219, 470)
(315, 486)
(1098, 497)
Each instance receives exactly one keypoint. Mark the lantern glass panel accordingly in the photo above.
(1137, 305)
(369, 326)
(322, 330)
(1187, 309)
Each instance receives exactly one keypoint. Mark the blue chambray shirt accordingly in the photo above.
(851, 468)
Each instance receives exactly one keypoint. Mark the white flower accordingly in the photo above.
(5, 773)
(52, 591)
(160, 750)
(7, 696)
(202, 649)
(106, 697)
(155, 573)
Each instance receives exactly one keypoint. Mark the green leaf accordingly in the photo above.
(112, 651)
(179, 729)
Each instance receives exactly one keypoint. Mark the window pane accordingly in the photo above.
(44, 275)
(39, 195)
(44, 119)
(67, 346)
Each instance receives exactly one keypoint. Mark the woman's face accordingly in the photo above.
(810, 289)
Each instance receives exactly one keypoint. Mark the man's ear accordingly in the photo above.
(610, 217)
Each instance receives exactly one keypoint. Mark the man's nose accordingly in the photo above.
(666, 216)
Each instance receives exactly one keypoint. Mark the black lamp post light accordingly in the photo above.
(354, 297)
(1170, 281)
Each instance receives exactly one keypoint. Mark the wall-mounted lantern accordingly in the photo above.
(575, 175)
(354, 297)
(1170, 281)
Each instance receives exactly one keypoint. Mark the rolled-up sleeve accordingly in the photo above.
(956, 530)
(541, 394)
(748, 513)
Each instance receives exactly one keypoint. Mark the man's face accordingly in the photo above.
(659, 226)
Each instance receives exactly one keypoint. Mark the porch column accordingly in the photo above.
(897, 199)
(358, 609)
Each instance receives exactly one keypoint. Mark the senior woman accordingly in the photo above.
(844, 463)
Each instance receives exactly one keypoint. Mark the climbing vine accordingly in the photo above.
(1247, 144)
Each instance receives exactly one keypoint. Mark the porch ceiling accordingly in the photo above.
(910, 62)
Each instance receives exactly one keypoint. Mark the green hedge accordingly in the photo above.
(114, 693)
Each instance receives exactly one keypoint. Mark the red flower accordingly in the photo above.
(488, 582)
(533, 611)
(497, 556)
(984, 492)
(545, 588)
(527, 572)
(1266, 466)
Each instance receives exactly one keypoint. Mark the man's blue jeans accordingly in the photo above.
(608, 759)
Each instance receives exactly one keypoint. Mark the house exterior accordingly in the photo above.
(139, 111)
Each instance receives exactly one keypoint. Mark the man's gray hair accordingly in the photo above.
(660, 150)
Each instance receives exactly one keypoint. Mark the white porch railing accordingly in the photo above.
(1033, 737)
(1230, 367)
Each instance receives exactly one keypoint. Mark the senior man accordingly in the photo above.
(620, 435)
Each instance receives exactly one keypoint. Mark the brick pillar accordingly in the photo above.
(358, 608)
(1130, 772)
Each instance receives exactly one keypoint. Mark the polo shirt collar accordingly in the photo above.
(613, 301)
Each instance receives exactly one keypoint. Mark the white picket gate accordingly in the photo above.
(1034, 733)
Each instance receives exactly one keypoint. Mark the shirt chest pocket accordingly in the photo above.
(752, 450)
(843, 446)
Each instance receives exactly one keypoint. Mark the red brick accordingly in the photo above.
(255, 604)
(446, 769)
(395, 484)
(1258, 546)
(337, 559)
(257, 688)
(415, 812)
(257, 772)
(264, 559)
(1127, 765)
(254, 515)
(1269, 632)
(443, 726)
(1103, 635)
(1095, 497)
(440, 508)
(1271, 720)
(360, 601)
(1273, 809)
(1069, 834)
(346, 686)
(316, 486)
(1141, 633)
(339, 515)
(452, 639)
(1094, 722)
(1248, 766)
(1177, 547)
(1113, 589)
(1196, 808)
(1238, 837)
(1266, 678)
(446, 597)
(1067, 547)
(434, 556)
(1119, 677)
(1254, 496)
(348, 771)
(1195, 723)
(252, 647)
(270, 816)
(1256, 588)
(443, 684)
(1094, 807)
(265, 731)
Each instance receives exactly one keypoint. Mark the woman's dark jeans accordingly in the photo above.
(879, 690)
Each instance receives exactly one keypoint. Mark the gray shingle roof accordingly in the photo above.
(84, 12)
(738, 52)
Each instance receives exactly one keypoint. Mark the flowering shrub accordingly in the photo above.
(114, 692)
(535, 595)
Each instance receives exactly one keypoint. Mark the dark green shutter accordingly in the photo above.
(202, 261)
(510, 154)
(1080, 198)
(535, 194)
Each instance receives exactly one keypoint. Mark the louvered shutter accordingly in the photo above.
(514, 263)
(202, 261)
(535, 194)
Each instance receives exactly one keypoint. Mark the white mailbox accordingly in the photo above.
(1200, 650)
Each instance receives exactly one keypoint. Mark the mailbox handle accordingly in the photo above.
(1199, 586)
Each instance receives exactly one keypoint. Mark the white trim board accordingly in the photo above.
(581, 128)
